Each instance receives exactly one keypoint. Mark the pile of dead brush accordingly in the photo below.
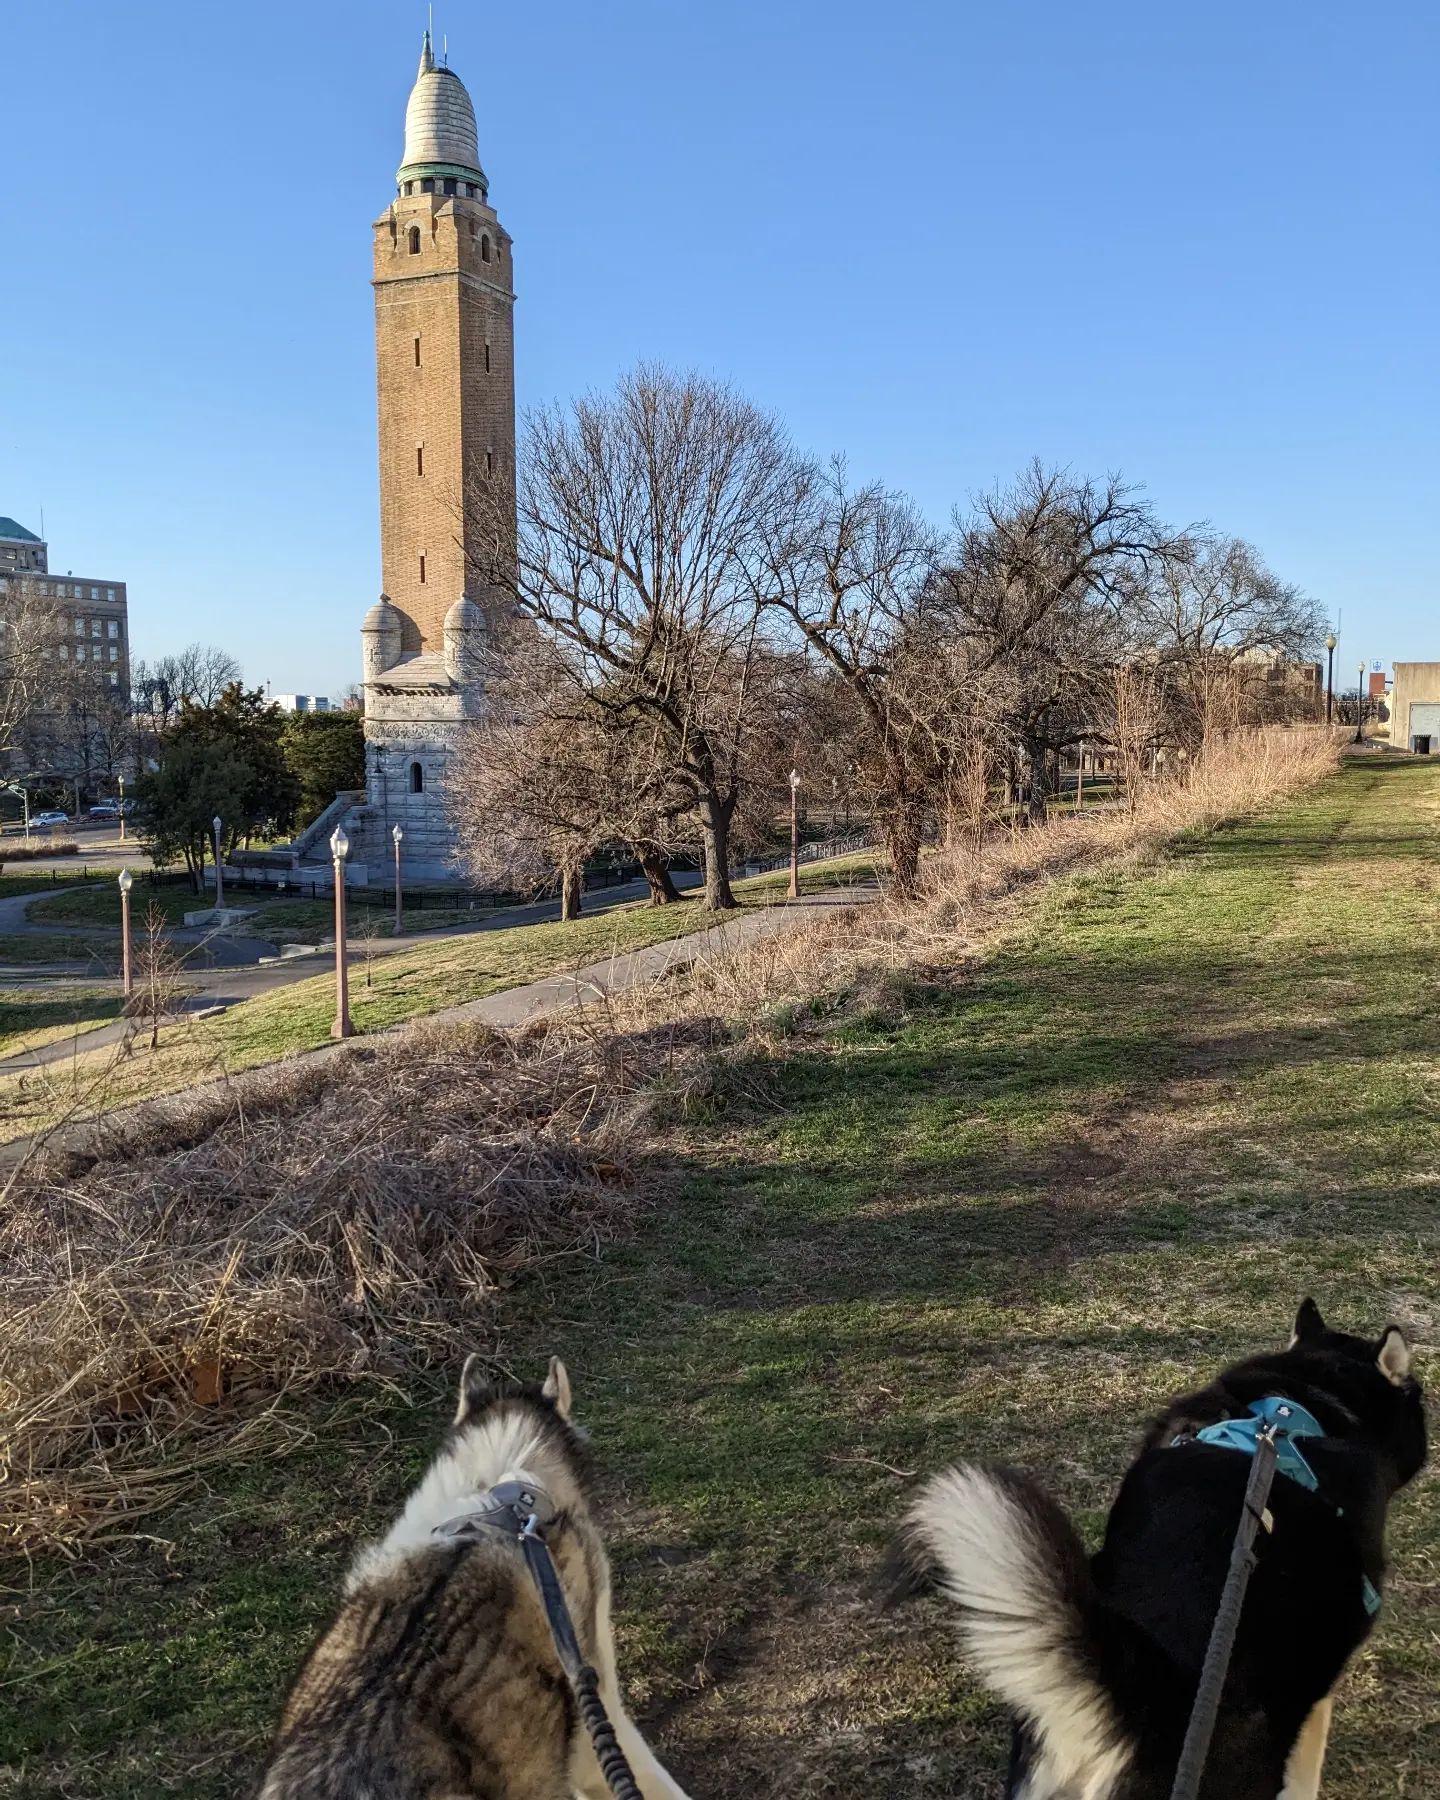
(311, 1222)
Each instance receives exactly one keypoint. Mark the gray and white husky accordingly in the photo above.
(438, 1678)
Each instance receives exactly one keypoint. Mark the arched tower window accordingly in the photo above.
(417, 779)
(485, 248)
(414, 240)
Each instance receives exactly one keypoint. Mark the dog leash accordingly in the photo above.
(1190, 1769)
(518, 1510)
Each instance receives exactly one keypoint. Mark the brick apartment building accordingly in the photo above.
(92, 610)
(81, 742)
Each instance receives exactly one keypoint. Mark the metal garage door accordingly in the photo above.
(1425, 723)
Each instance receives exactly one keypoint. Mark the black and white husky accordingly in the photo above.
(1099, 1656)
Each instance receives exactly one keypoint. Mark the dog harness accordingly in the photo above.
(505, 1508)
(519, 1511)
(1290, 1424)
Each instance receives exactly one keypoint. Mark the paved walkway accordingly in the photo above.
(546, 998)
(236, 971)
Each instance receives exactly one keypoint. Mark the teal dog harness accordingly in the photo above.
(1290, 1424)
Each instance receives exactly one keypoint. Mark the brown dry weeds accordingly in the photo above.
(310, 1223)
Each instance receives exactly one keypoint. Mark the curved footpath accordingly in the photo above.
(241, 968)
(509, 1009)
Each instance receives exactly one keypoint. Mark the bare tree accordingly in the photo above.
(85, 732)
(1042, 582)
(199, 674)
(158, 972)
(30, 640)
(1222, 625)
(646, 523)
(1131, 713)
(554, 776)
(851, 576)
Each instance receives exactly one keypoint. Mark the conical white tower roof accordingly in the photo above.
(440, 135)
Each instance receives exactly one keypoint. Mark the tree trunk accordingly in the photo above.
(662, 889)
(1039, 787)
(570, 893)
(715, 829)
(901, 831)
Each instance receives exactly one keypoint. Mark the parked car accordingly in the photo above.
(49, 818)
(105, 810)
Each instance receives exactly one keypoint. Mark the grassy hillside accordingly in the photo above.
(1004, 1220)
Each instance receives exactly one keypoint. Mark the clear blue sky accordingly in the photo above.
(1197, 244)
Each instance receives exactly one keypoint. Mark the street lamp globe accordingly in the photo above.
(794, 779)
(339, 844)
(397, 833)
(1331, 640)
(126, 880)
(217, 822)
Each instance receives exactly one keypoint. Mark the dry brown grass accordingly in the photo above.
(311, 1222)
(353, 1216)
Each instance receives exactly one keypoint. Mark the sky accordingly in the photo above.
(1197, 245)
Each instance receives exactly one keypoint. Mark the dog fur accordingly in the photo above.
(437, 1678)
(1099, 1657)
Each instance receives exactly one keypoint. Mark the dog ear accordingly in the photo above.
(1394, 1355)
(1308, 1323)
(557, 1387)
(470, 1391)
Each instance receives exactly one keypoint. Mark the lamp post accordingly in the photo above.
(339, 850)
(122, 809)
(127, 975)
(1360, 707)
(1330, 642)
(794, 893)
(216, 823)
(1080, 777)
(398, 833)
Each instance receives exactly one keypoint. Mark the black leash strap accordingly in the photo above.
(584, 1682)
(1190, 1769)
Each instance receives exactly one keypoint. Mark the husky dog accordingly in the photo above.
(438, 1678)
(1100, 1657)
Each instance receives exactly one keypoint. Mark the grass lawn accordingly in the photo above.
(30, 1017)
(1004, 1223)
(101, 905)
(59, 947)
(22, 880)
(386, 988)
(309, 921)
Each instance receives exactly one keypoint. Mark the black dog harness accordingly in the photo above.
(519, 1510)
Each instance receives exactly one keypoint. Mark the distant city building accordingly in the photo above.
(80, 738)
(1415, 708)
(20, 549)
(93, 614)
(302, 703)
